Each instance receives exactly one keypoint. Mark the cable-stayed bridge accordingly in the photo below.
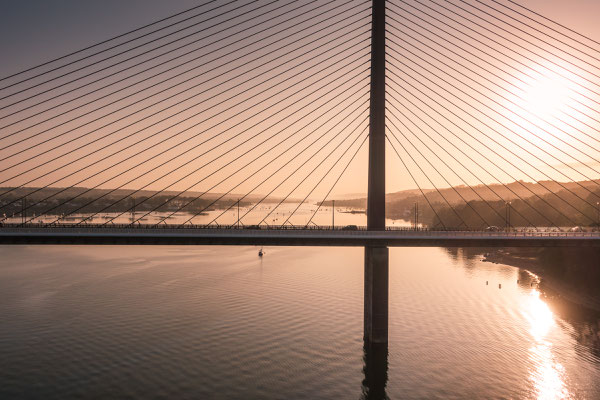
(161, 134)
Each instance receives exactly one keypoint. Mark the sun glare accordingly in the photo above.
(546, 109)
(547, 96)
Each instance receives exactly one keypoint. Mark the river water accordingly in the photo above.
(220, 322)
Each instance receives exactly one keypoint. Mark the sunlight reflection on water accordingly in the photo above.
(548, 374)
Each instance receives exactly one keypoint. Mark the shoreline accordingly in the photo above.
(555, 286)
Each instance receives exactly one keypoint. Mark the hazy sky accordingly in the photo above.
(35, 31)
(31, 31)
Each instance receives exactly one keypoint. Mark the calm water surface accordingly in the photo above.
(218, 322)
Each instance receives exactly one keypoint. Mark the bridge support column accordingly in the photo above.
(376, 294)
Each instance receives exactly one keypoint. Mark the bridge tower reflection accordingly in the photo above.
(375, 370)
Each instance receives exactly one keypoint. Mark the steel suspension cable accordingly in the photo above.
(416, 183)
(257, 171)
(545, 141)
(121, 150)
(509, 65)
(530, 132)
(437, 170)
(529, 51)
(299, 184)
(338, 178)
(171, 148)
(446, 164)
(537, 169)
(324, 176)
(138, 131)
(166, 174)
(164, 141)
(554, 22)
(195, 184)
(429, 179)
(530, 34)
(109, 40)
(297, 169)
(461, 151)
(533, 61)
(237, 171)
(169, 88)
(246, 179)
(261, 40)
(199, 123)
(477, 140)
(521, 170)
(492, 73)
(164, 119)
(130, 49)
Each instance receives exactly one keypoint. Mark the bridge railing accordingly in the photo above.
(348, 230)
(289, 227)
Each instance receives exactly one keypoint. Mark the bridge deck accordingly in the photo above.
(289, 237)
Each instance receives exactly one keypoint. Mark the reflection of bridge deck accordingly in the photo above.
(317, 236)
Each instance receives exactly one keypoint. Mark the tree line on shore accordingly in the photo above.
(13, 205)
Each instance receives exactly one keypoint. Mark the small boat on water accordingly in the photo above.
(261, 252)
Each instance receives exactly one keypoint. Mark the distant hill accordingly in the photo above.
(540, 204)
(508, 192)
(56, 201)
